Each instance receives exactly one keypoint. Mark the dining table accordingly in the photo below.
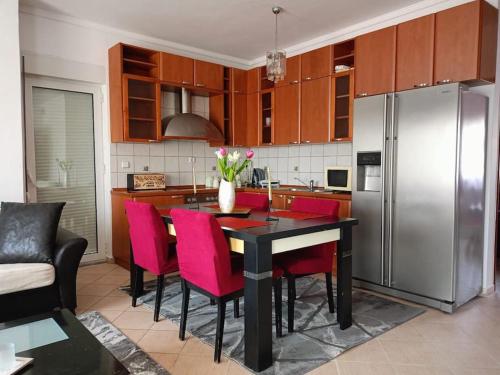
(278, 231)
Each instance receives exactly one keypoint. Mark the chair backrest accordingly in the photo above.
(327, 207)
(202, 251)
(148, 235)
(258, 202)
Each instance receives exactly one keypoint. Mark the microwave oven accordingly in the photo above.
(338, 178)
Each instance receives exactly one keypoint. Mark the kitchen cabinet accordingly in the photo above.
(342, 98)
(239, 120)
(239, 78)
(252, 125)
(375, 55)
(314, 110)
(287, 104)
(316, 64)
(415, 53)
(176, 69)
(292, 75)
(279, 201)
(253, 80)
(266, 118)
(465, 43)
(208, 75)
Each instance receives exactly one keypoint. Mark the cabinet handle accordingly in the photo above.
(236, 91)
(294, 142)
(177, 196)
(423, 84)
(238, 146)
(186, 83)
(306, 142)
(200, 85)
(153, 141)
(308, 78)
(363, 94)
(443, 81)
(295, 81)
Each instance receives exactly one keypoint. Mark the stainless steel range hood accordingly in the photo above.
(190, 125)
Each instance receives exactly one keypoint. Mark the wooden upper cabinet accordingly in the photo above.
(415, 53)
(375, 56)
(292, 75)
(252, 124)
(253, 80)
(176, 69)
(314, 112)
(239, 81)
(239, 119)
(316, 63)
(208, 75)
(286, 116)
(465, 43)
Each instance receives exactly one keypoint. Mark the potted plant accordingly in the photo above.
(230, 166)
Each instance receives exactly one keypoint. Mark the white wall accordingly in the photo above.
(11, 128)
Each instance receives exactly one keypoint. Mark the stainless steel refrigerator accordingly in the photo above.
(418, 192)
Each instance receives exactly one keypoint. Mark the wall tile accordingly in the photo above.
(318, 178)
(184, 164)
(199, 149)
(282, 177)
(125, 149)
(113, 165)
(293, 151)
(274, 152)
(114, 180)
(185, 148)
(210, 164)
(264, 152)
(171, 164)
(305, 177)
(200, 164)
(283, 152)
(344, 149)
(210, 151)
(293, 163)
(156, 164)
(172, 148)
(317, 150)
(317, 164)
(173, 178)
(141, 164)
(141, 149)
(156, 149)
(273, 164)
(185, 178)
(344, 160)
(330, 161)
(122, 180)
(113, 148)
(330, 149)
(304, 164)
(304, 150)
(124, 159)
(282, 164)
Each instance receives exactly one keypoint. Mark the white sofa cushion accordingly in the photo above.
(23, 276)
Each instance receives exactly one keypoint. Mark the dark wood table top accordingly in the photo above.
(81, 354)
(281, 228)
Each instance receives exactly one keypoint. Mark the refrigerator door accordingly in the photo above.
(370, 118)
(423, 191)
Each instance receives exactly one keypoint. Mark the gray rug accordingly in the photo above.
(317, 339)
(132, 357)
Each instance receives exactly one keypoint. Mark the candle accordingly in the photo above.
(194, 180)
(270, 196)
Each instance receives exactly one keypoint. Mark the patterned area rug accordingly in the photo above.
(317, 339)
(132, 357)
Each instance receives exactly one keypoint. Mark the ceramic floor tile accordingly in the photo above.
(115, 280)
(94, 289)
(162, 342)
(99, 269)
(412, 353)
(165, 325)
(195, 346)
(370, 351)
(463, 371)
(330, 368)
(235, 368)
(366, 368)
(84, 302)
(110, 315)
(134, 320)
(166, 360)
(187, 364)
(119, 303)
(135, 334)
(421, 370)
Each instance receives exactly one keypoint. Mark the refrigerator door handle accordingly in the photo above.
(383, 185)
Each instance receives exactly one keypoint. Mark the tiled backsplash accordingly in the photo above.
(306, 162)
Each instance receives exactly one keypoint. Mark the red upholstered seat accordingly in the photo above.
(150, 246)
(258, 202)
(309, 260)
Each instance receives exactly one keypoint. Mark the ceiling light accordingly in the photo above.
(276, 60)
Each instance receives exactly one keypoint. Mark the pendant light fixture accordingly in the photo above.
(276, 60)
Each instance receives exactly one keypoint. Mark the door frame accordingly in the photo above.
(97, 100)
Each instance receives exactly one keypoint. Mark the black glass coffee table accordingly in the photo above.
(77, 352)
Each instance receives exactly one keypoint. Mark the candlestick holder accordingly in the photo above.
(269, 218)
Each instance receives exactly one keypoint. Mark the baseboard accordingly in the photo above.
(487, 291)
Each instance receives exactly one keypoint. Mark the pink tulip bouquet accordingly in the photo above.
(229, 164)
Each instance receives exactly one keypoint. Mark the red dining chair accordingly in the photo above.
(150, 247)
(258, 202)
(309, 260)
(206, 267)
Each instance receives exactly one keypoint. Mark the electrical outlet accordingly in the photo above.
(145, 168)
(296, 169)
(125, 164)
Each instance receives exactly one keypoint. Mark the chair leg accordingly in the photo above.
(277, 306)
(184, 312)
(329, 291)
(221, 314)
(159, 292)
(236, 303)
(291, 301)
(135, 286)
(212, 302)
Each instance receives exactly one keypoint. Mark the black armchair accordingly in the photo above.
(67, 254)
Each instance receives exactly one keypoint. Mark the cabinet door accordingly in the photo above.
(161, 200)
(314, 113)
(292, 75)
(316, 63)
(239, 81)
(239, 119)
(208, 75)
(253, 80)
(279, 201)
(176, 69)
(457, 43)
(287, 101)
(375, 55)
(415, 51)
(252, 128)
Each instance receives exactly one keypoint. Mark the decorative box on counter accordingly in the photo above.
(146, 181)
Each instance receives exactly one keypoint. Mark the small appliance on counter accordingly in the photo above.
(146, 181)
(275, 184)
(258, 175)
(338, 178)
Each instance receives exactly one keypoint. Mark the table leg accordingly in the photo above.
(140, 285)
(344, 278)
(258, 305)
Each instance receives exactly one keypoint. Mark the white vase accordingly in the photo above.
(226, 196)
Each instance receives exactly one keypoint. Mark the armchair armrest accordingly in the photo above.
(68, 252)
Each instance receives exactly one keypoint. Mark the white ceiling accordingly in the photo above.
(238, 28)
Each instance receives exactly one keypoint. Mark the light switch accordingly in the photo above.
(125, 164)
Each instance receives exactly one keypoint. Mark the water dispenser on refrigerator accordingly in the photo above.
(368, 171)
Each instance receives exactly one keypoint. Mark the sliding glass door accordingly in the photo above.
(61, 154)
